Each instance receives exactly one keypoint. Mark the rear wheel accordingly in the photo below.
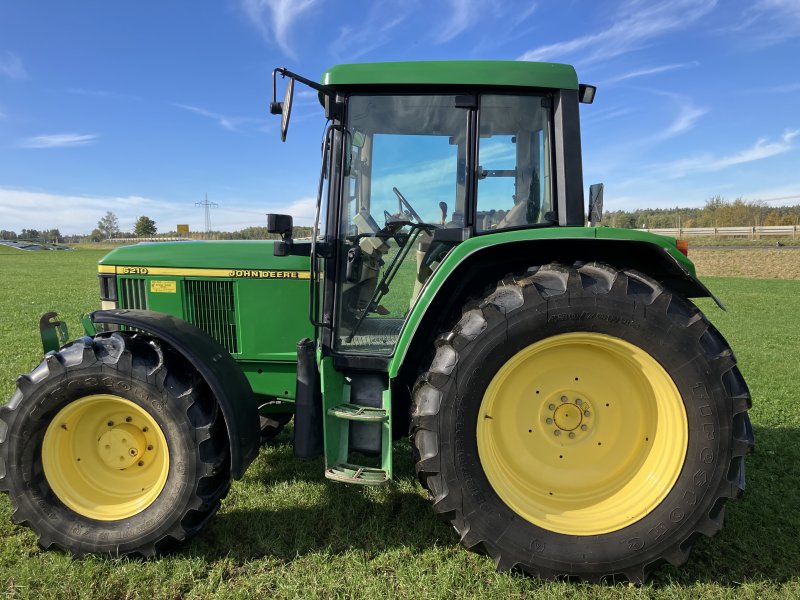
(583, 422)
(115, 446)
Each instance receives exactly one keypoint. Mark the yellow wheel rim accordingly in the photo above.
(105, 457)
(582, 433)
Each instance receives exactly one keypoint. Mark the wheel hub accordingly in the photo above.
(105, 457)
(567, 414)
(582, 433)
(121, 446)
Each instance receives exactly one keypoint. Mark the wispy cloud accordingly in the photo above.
(636, 23)
(761, 149)
(225, 121)
(687, 116)
(651, 71)
(78, 214)
(11, 66)
(355, 41)
(766, 22)
(784, 88)
(275, 18)
(606, 114)
(463, 14)
(100, 94)
(59, 140)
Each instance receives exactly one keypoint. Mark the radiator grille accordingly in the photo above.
(132, 293)
(210, 306)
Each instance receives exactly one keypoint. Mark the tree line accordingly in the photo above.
(717, 212)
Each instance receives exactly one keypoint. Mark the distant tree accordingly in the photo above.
(96, 236)
(7, 235)
(52, 235)
(145, 227)
(29, 234)
(108, 225)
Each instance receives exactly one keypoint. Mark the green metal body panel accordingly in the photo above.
(462, 72)
(463, 250)
(233, 254)
(335, 430)
(254, 303)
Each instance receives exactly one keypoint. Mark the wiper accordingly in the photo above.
(383, 285)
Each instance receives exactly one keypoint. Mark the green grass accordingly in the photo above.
(285, 531)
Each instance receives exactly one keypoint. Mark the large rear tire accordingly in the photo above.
(113, 446)
(582, 421)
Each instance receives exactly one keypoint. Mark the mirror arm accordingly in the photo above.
(284, 72)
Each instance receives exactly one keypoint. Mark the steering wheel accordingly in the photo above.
(407, 205)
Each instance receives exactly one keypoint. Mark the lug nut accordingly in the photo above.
(564, 398)
(551, 406)
(557, 432)
(133, 452)
(584, 428)
(578, 401)
(549, 421)
(572, 435)
(586, 413)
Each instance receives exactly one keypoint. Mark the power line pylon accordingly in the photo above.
(207, 206)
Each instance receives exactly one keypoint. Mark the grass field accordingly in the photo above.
(285, 531)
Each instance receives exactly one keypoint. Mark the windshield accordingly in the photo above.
(405, 175)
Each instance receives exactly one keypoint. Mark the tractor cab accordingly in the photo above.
(420, 157)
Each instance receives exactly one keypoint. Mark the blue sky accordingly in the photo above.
(143, 108)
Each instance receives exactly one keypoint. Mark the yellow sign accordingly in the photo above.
(183, 229)
(167, 287)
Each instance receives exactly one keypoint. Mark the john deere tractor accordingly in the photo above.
(571, 412)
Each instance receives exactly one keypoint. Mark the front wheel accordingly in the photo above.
(582, 422)
(113, 446)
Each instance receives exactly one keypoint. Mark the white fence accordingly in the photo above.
(753, 233)
(148, 239)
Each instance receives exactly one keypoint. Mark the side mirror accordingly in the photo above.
(287, 109)
(595, 204)
(282, 225)
(586, 93)
(282, 108)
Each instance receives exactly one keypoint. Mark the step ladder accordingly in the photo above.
(338, 414)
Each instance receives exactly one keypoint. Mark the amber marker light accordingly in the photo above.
(683, 246)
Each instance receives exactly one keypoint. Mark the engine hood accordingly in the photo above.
(224, 254)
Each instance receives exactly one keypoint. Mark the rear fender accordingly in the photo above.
(215, 365)
(482, 260)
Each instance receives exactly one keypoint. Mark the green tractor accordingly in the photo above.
(570, 411)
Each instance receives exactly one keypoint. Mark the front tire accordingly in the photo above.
(582, 422)
(113, 446)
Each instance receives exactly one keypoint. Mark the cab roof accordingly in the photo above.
(478, 73)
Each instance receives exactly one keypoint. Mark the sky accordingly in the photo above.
(143, 108)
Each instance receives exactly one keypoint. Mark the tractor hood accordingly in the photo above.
(227, 254)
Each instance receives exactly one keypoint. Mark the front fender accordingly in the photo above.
(215, 365)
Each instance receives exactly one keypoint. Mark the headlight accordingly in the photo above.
(108, 291)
